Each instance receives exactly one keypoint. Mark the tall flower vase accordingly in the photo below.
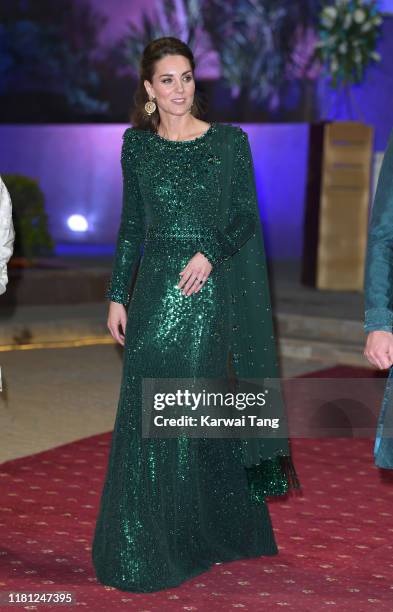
(339, 104)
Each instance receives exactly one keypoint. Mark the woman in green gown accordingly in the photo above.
(172, 507)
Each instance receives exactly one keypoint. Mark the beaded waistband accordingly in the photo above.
(182, 234)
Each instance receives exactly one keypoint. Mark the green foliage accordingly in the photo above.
(165, 20)
(50, 46)
(30, 220)
(255, 41)
(349, 30)
(50, 51)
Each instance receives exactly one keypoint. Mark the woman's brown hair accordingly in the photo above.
(154, 51)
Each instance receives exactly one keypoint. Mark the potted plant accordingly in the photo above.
(32, 237)
(348, 36)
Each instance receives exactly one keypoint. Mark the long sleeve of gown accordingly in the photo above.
(132, 227)
(242, 217)
(378, 277)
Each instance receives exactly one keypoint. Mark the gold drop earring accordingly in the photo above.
(150, 106)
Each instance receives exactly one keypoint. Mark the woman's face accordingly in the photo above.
(173, 85)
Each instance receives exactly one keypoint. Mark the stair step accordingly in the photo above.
(327, 352)
(319, 328)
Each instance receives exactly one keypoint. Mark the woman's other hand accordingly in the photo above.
(379, 349)
(197, 269)
(117, 318)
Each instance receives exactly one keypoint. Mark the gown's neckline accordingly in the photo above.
(179, 142)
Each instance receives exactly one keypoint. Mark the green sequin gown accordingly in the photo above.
(171, 508)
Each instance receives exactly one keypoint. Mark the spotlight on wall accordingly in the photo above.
(77, 223)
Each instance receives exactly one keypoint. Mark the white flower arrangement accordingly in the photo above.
(348, 33)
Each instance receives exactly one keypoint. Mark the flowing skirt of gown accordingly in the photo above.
(171, 508)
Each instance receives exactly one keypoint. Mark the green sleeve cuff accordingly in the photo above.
(121, 296)
(217, 248)
(378, 319)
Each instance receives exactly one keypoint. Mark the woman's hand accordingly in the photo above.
(379, 349)
(117, 317)
(197, 269)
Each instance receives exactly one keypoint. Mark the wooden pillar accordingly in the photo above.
(337, 205)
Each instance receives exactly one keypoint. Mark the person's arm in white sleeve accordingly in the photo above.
(7, 234)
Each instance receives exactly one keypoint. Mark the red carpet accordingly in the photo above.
(335, 538)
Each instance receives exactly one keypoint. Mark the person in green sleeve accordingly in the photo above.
(378, 298)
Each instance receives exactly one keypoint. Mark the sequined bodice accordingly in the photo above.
(172, 201)
(178, 180)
